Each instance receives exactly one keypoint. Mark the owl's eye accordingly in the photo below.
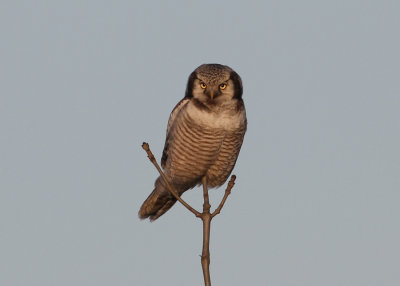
(203, 85)
(222, 86)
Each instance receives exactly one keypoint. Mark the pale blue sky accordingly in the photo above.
(84, 83)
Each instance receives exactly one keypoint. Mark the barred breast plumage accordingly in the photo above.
(204, 136)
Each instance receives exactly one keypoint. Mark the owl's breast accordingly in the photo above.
(196, 144)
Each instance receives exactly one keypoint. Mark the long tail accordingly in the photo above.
(158, 203)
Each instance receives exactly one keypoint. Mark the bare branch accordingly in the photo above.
(206, 205)
(205, 216)
(151, 157)
(227, 193)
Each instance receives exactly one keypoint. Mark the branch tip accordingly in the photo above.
(146, 146)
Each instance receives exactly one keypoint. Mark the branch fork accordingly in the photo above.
(205, 216)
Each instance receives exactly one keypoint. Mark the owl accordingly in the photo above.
(204, 135)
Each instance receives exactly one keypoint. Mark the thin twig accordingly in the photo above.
(206, 218)
(146, 147)
(227, 193)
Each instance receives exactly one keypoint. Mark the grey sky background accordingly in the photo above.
(84, 83)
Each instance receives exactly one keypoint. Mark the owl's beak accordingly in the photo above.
(211, 93)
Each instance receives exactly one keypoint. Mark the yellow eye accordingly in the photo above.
(222, 86)
(203, 85)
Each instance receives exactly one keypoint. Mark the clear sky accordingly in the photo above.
(84, 83)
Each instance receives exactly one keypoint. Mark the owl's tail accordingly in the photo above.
(158, 203)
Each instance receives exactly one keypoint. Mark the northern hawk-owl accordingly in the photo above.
(204, 134)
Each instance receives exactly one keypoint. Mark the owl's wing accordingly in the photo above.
(171, 120)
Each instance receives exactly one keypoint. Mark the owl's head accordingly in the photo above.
(214, 84)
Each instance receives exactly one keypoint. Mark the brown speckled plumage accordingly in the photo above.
(204, 135)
